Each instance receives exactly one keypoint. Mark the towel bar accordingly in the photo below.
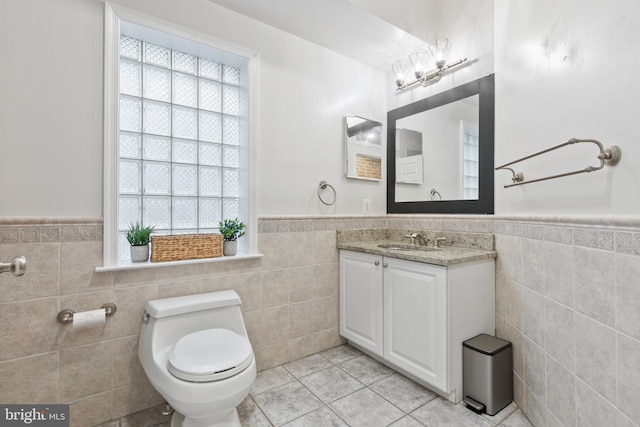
(609, 156)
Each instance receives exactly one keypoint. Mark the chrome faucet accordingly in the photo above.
(412, 237)
(437, 240)
(421, 241)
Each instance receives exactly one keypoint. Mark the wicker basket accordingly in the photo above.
(185, 246)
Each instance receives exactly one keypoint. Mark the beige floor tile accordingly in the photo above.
(270, 379)
(287, 402)
(307, 365)
(403, 392)
(366, 408)
(331, 384)
(366, 370)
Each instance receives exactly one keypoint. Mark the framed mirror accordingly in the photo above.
(450, 169)
(363, 148)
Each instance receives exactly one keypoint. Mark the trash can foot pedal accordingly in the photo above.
(474, 404)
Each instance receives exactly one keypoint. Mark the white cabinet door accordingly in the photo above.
(409, 170)
(361, 299)
(415, 313)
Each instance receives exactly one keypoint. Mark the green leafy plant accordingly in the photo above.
(231, 229)
(139, 235)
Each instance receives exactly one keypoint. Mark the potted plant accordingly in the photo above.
(231, 230)
(139, 238)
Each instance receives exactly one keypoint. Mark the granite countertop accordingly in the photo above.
(369, 242)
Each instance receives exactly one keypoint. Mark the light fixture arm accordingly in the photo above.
(432, 76)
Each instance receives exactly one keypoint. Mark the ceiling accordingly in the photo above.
(338, 25)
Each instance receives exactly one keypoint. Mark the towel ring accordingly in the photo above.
(323, 186)
(433, 194)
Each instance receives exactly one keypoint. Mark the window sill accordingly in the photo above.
(142, 265)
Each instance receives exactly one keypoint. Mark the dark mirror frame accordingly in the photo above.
(484, 87)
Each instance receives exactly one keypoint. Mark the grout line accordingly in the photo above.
(260, 409)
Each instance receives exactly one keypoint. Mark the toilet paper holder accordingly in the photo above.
(66, 316)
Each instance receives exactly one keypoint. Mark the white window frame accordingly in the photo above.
(114, 15)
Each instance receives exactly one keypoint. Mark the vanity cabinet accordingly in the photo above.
(414, 316)
(361, 300)
(414, 310)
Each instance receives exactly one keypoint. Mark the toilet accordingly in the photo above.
(196, 353)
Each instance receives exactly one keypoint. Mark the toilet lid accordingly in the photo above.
(210, 355)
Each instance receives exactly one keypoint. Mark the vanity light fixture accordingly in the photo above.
(439, 50)
(400, 71)
(419, 60)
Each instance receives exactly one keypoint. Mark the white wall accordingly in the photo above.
(51, 108)
(563, 69)
(567, 69)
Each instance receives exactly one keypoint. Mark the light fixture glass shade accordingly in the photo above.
(419, 60)
(440, 51)
(400, 71)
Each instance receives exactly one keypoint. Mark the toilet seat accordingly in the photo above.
(209, 355)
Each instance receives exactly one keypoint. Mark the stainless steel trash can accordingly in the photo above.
(487, 376)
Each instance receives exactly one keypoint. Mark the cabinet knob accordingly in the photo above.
(377, 263)
(385, 265)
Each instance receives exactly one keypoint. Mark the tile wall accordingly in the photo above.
(290, 306)
(568, 297)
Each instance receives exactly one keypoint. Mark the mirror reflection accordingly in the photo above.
(409, 159)
(363, 148)
(448, 170)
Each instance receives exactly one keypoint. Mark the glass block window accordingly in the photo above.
(179, 141)
(470, 171)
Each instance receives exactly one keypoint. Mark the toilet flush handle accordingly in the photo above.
(145, 318)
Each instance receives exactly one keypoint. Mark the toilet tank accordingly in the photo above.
(190, 303)
(170, 319)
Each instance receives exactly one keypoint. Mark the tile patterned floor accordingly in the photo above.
(343, 387)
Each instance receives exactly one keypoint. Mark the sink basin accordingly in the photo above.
(403, 247)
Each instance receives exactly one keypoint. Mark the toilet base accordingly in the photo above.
(232, 420)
